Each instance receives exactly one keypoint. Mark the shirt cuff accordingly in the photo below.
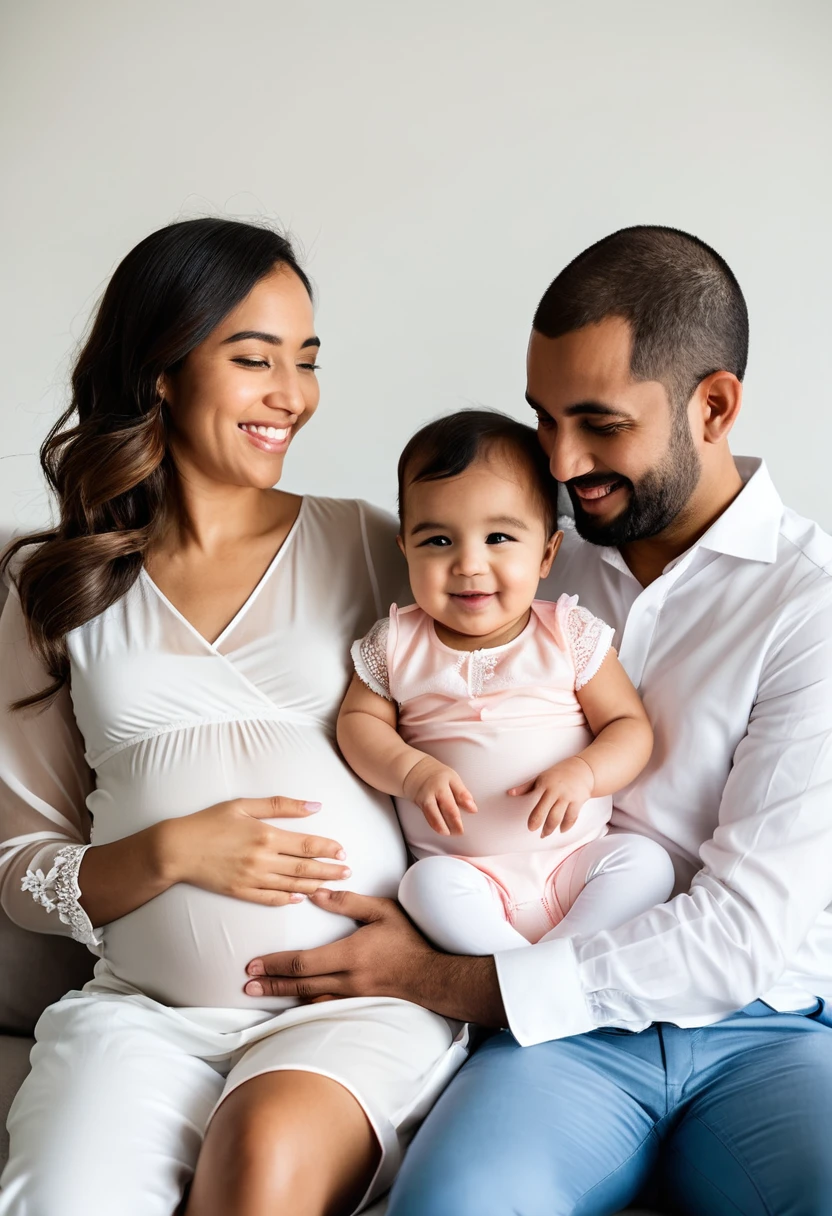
(542, 993)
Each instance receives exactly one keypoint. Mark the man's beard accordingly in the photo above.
(654, 501)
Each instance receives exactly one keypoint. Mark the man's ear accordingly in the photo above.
(719, 400)
(550, 553)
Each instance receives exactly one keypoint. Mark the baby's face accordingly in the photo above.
(476, 548)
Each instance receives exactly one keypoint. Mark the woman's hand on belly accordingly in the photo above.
(230, 850)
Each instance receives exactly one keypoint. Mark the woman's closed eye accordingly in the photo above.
(245, 361)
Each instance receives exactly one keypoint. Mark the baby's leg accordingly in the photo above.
(608, 881)
(457, 907)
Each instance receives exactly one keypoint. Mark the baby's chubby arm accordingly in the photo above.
(620, 750)
(374, 749)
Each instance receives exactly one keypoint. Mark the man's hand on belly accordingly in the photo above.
(387, 956)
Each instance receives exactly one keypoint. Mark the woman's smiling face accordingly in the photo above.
(240, 397)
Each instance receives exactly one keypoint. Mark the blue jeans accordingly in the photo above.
(732, 1119)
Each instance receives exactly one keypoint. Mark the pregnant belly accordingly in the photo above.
(190, 947)
(492, 758)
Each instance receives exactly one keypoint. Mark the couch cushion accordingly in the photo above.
(14, 1064)
(36, 969)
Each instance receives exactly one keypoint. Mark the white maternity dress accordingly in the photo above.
(160, 723)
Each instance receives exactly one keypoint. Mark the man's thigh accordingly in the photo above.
(755, 1139)
(561, 1128)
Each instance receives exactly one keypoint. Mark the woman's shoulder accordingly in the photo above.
(352, 515)
(354, 530)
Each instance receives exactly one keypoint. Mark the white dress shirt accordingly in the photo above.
(731, 650)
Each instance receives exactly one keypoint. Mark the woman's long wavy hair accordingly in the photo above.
(106, 457)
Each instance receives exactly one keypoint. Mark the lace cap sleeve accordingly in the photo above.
(589, 640)
(369, 655)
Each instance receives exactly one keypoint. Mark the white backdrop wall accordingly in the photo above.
(437, 163)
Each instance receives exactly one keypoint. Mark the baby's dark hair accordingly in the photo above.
(447, 446)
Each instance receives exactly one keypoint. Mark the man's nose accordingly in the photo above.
(569, 457)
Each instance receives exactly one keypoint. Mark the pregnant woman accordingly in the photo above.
(172, 658)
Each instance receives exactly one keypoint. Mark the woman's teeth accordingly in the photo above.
(268, 432)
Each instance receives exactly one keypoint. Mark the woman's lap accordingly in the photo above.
(120, 1094)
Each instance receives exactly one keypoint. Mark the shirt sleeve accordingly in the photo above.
(765, 879)
(44, 783)
(589, 640)
(385, 562)
(369, 656)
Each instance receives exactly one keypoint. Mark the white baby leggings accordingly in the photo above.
(600, 885)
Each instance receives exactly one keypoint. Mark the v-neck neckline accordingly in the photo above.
(244, 607)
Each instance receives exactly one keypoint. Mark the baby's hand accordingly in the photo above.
(563, 790)
(440, 795)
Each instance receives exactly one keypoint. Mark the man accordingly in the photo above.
(690, 1048)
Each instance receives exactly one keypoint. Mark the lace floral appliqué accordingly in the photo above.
(58, 891)
(589, 639)
(369, 656)
(481, 667)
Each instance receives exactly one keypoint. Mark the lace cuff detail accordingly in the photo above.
(58, 891)
(589, 640)
(369, 656)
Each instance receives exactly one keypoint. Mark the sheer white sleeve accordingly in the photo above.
(369, 656)
(58, 891)
(44, 784)
(589, 640)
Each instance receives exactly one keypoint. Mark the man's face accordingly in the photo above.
(625, 454)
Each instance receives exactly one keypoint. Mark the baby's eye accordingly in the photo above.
(436, 541)
(497, 538)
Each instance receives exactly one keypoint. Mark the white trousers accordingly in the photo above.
(110, 1120)
(601, 885)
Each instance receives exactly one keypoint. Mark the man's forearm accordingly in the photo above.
(460, 987)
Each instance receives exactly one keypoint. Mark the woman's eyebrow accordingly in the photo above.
(273, 340)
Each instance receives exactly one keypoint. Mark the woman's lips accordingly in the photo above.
(267, 439)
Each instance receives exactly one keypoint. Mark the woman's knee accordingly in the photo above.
(264, 1151)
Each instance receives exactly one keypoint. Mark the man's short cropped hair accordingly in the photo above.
(684, 305)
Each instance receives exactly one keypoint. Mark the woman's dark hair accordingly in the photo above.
(446, 447)
(681, 299)
(106, 456)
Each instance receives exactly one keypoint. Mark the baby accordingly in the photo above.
(481, 705)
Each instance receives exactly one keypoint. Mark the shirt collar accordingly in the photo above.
(749, 528)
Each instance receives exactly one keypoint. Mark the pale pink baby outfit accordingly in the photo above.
(499, 717)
